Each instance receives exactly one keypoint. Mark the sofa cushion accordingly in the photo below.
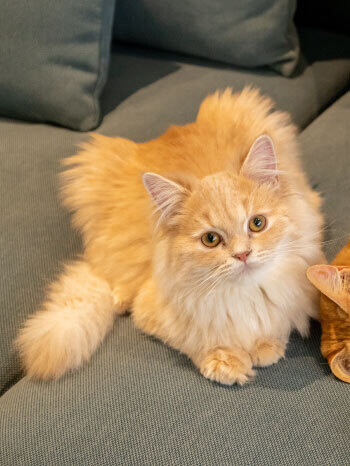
(166, 88)
(141, 403)
(326, 149)
(145, 93)
(54, 60)
(244, 32)
(35, 235)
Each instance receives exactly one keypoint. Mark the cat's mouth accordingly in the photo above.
(248, 265)
(247, 268)
(243, 268)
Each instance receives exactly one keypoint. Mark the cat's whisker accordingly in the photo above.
(212, 270)
(291, 247)
(216, 277)
(219, 279)
(333, 240)
(203, 284)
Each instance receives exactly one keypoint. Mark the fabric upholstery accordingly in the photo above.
(326, 154)
(139, 402)
(244, 32)
(54, 60)
(166, 88)
(145, 93)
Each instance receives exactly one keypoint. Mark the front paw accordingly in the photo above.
(267, 352)
(227, 366)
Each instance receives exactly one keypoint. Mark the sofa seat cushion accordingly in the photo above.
(146, 92)
(141, 403)
(133, 388)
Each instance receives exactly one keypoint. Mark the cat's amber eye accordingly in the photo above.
(211, 239)
(257, 223)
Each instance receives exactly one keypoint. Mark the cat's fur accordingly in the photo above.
(334, 283)
(227, 316)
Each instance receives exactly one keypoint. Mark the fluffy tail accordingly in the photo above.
(78, 314)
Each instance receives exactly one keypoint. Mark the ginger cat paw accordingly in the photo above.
(267, 352)
(227, 366)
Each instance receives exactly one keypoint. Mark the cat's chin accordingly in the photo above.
(242, 270)
(247, 270)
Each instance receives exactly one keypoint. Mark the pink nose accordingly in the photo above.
(242, 256)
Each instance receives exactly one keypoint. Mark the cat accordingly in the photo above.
(204, 234)
(334, 283)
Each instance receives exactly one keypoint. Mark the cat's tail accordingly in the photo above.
(69, 327)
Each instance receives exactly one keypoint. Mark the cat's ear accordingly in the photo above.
(325, 277)
(332, 281)
(166, 194)
(261, 162)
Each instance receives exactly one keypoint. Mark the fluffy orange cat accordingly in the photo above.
(334, 282)
(204, 234)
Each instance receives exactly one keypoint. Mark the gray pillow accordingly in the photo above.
(53, 60)
(240, 32)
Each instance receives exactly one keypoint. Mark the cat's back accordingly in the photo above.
(227, 124)
(104, 180)
(343, 256)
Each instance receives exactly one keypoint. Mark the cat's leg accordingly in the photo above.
(267, 351)
(70, 325)
(226, 365)
(148, 314)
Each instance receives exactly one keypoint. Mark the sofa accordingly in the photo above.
(138, 402)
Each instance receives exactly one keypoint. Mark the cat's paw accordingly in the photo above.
(227, 366)
(267, 352)
(121, 305)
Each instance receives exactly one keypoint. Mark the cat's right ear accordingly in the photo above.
(166, 194)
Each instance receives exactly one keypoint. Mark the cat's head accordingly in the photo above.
(223, 225)
(334, 282)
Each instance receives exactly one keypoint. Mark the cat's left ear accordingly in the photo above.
(331, 280)
(325, 277)
(166, 194)
(261, 162)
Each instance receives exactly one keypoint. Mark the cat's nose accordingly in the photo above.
(242, 256)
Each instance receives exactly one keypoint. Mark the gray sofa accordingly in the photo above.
(139, 402)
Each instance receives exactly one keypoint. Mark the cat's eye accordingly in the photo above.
(211, 239)
(257, 223)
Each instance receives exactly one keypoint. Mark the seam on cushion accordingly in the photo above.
(290, 45)
(104, 42)
(294, 43)
(295, 47)
(11, 382)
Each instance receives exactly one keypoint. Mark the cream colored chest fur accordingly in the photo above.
(238, 315)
